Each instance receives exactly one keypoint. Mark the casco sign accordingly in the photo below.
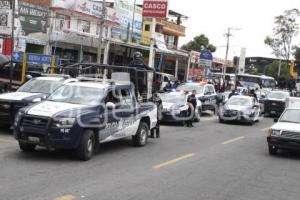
(155, 8)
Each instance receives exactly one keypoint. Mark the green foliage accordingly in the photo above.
(272, 69)
(197, 43)
(285, 29)
(297, 53)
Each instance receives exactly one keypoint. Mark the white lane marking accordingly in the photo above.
(233, 140)
(170, 162)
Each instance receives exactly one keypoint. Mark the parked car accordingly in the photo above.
(240, 108)
(33, 91)
(285, 133)
(175, 107)
(275, 102)
(205, 93)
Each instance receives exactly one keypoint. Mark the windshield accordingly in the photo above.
(78, 95)
(292, 116)
(173, 98)
(191, 87)
(250, 85)
(277, 95)
(236, 101)
(40, 86)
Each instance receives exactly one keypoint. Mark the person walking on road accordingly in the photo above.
(192, 103)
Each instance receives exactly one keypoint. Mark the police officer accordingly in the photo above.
(139, 79)
(157, 100)
(192, 102)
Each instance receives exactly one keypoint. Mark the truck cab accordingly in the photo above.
(81, 115)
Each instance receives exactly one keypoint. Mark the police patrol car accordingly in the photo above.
(81, 115)
(35, 90)
(285, 133)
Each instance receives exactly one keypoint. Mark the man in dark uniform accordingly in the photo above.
(157, 100)
(140, 78)
(192, 102)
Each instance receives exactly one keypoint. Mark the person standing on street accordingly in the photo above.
(157, 100)
(192, 102)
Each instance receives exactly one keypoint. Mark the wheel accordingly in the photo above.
(221, 120)
(273, 150)
(141, 137)
(251, 123)
(26, 147)
(87, 146)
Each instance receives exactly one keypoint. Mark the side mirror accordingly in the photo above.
(275, 120)
(255, 106)
(110, 105)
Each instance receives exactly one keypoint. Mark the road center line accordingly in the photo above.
(233, 140)
(8, 141)
(66, 197)
(173, 161)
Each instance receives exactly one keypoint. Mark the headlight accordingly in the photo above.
(176, 111)
(275, 133)
(37, 100)
(64, 122)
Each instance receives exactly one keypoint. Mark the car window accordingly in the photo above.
(126, 98)
(206, 91)
(166, 79)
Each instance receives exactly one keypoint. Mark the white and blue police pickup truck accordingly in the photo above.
(33, 91)
(81, 115)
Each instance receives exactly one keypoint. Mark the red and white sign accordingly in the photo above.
(155, 8)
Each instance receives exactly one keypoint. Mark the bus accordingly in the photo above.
(256, 81)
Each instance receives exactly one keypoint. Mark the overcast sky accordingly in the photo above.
(213, 17)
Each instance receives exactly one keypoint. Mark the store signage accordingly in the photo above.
(34, 19)
(155, 8)
(34, 58)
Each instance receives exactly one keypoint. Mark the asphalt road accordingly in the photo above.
(209, 161)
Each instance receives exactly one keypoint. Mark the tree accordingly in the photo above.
(198, 43)
(286, 28)
(272, 69)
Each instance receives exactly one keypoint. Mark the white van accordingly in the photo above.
(162, 79)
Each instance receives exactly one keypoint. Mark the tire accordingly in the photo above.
(86, 147)
(273, 150)
(25, 147)
(221, 120)
(141, 137)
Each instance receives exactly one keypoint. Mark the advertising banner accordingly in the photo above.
(155, 8)
(5, 17)
(33, 19)
(130, 16)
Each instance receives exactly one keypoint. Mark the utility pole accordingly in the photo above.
(101, 27)
(13, 5)
(228, 35)
(132, 23)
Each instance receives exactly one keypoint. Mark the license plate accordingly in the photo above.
(33, 139)
(207, 101)
(274, 104)
(273, 112)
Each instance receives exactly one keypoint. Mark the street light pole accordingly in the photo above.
(99, 52)
(132, 23)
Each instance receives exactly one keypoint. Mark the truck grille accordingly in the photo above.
(290, 135)
(32, 124)
(275, 105)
